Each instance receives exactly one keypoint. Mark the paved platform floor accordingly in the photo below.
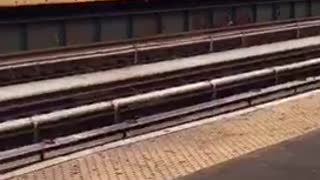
(296, 159)
(179, 152)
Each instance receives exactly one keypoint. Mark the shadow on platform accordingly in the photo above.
(297, 159)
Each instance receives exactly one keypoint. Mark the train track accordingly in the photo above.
(52, 64)
(245, 82)
(42, 103)
(50, 95)
(63, 145)
(111, 91)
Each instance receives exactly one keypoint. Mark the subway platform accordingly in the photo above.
(275, 141)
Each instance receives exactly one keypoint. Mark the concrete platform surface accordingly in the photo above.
(296, 159)
(180, 151)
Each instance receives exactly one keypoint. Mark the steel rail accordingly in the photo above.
(37, 152)
(28, 69)
(101, 47)
(155, 69)
(158, 83)
(221, 66)
(148, 99)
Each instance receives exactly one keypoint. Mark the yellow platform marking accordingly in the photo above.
(183, 152)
